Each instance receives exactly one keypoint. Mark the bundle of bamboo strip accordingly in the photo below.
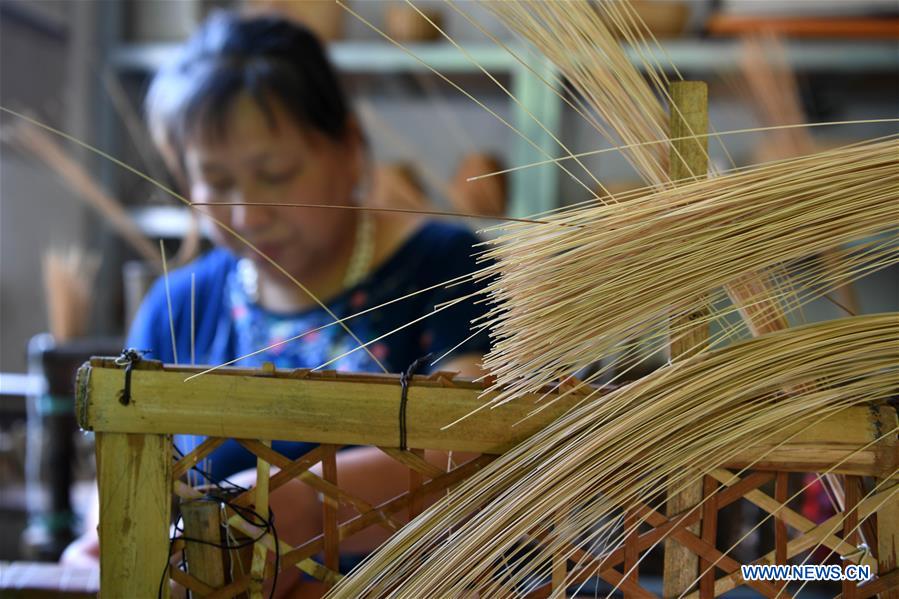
(662, 253)
(566, 296)
(772, 86)
(578, 38)
(612, 454)
(68, 281)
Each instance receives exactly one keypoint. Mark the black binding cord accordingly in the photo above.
(405, 377)
(128, 359)
(249, 515)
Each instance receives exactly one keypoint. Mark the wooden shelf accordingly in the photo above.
(536, 190)
(708, 55)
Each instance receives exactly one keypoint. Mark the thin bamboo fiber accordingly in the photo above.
(564, 297)
(580, 39)
(773, 89)
(613, 453)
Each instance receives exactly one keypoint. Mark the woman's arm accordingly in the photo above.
(468, 365)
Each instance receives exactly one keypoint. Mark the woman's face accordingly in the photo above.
(254, 162)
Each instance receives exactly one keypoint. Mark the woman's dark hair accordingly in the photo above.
(267, 57)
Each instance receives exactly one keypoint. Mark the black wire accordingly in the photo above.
(165, 570)
(266, 524)
(405, 378)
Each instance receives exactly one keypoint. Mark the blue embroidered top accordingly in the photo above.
(229, 324)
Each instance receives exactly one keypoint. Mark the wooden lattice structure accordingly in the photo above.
(138, 475)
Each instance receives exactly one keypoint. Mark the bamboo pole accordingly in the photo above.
(688, 159)
(134, 478)
(203, 521)
(362, 409)
(312, 407)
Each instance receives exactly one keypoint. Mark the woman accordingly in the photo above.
(252, 113)
(251, 118)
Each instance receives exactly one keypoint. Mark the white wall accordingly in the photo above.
(42, 48)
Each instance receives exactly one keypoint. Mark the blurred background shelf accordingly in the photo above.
(536, 190)
(531, 191)
(690, 54)
(357, 56)
(164, 222)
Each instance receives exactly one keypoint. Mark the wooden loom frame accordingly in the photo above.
(137, 473)
(134, 412)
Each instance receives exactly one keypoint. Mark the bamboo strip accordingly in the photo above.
(260, 551)
(710, 509)
(415, 461)
(709, 552)
(327, 488)
(609, 575)
(300, 555)
(288, 470)
(329, 510)
(237, 522)
(850, 527)
(780, 527)
(309, 566)
(724, 497)
(194, 457)
(579, 43)
(682, 244)
(792, 518)
(191, 583)
(583, 452)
